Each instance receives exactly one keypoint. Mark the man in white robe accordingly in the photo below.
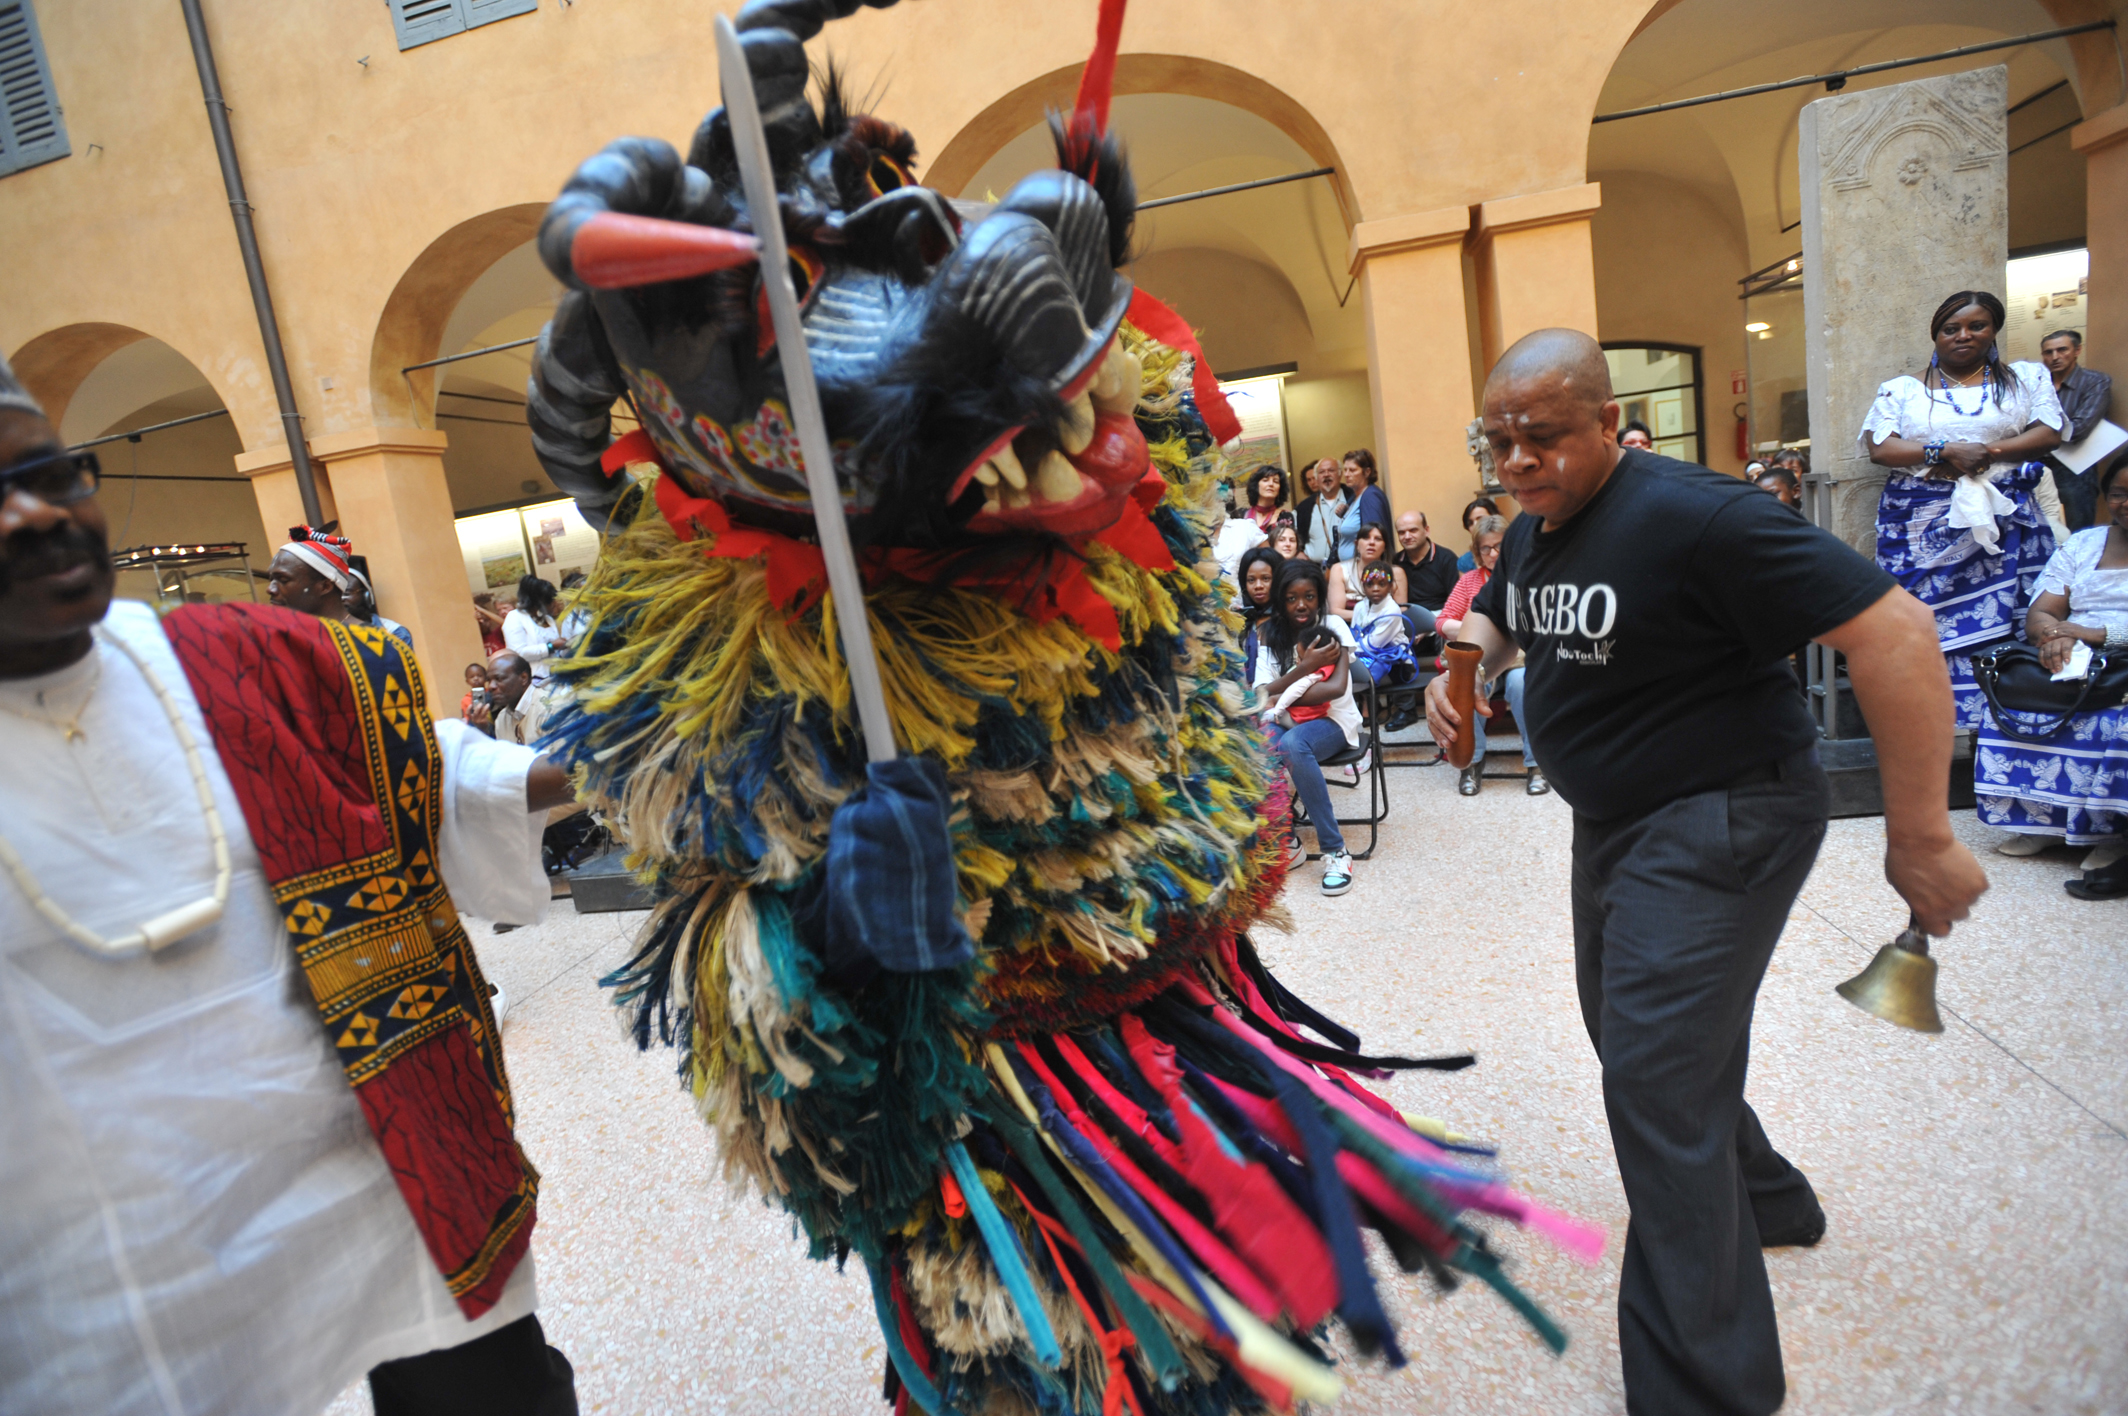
(194, 1214)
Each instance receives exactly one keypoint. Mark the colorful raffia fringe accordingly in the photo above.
(1099, 1169)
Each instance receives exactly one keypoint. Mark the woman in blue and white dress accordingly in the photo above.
(1963, 522)
(2074, 786)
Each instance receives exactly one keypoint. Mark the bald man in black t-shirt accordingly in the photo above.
(1656, 604)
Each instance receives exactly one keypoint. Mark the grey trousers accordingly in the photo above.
(1676, 912)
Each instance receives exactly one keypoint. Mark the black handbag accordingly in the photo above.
(2014, 681)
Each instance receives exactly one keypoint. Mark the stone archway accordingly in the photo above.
(411, 328)
(55, 364)
(1015, 112)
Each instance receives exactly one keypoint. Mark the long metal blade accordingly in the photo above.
(750, 146)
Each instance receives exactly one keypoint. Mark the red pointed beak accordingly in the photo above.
(616, 252)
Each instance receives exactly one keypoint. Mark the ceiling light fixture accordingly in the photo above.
(1756, 327)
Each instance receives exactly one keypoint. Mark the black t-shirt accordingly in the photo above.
(1429, 582)
(1655, 626)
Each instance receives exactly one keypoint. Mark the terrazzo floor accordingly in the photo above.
(1974, 1181)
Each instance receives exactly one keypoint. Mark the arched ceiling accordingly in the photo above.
(145, 372)
(1180, 143)
(1748, 145)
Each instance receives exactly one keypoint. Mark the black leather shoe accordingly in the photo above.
(1400, 721)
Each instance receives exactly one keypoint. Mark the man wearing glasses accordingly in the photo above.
(257, 1139)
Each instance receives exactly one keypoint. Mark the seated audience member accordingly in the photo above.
(476, 683)
(1370, 547)
(1365, 502)
(1304, 669)
(1257, 572)
(1265, 497)
(2074, 786)
(1381, 640)
(1471, 778)
(531, 630)
(1481, 506)
(516, 710)
(1485, 536)
(1285, 539)
(489, 616)
(1429, 572)
(1636, 434)
(1316, 517)
(1238, 533)
(1781, 481)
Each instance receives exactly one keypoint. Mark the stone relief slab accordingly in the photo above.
(1905, 199)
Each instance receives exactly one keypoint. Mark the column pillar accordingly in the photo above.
(1410, 270)
(2103, 140)
(273, 485)
(386, 488)
(1536, 266)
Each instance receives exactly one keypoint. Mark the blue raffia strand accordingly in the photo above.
(1005, 1252)
(912, 1376)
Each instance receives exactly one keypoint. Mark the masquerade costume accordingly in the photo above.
(985, 1015)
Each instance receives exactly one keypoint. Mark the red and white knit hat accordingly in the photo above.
(323, 552)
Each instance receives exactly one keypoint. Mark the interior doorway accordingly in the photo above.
(1659, 385)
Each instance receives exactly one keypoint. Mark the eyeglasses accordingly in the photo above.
(57, 479)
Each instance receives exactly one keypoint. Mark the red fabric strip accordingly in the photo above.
(1163, 324)
(1271, 1232)
(1211, 1251)
(1097, 81)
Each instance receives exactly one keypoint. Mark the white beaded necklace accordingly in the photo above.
(171, 925)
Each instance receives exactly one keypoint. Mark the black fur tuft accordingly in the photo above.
(1101, 161)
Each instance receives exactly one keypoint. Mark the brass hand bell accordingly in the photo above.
(1899, 985)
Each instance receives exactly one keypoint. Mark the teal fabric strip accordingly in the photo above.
(1005, 1252)
(1153, 1341)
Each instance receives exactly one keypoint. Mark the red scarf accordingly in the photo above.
(324, 731)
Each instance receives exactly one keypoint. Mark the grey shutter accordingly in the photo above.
(420, 21)
(31, 129)
(484, 12)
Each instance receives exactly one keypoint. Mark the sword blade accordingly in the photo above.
(750, 146)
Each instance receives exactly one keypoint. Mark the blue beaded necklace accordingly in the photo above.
(1944, 388)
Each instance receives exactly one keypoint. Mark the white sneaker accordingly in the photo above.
(1337, 873)
(499, 1002)
(2020, 846)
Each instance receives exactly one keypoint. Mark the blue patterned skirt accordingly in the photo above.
(1979, 599)
(2075, 786)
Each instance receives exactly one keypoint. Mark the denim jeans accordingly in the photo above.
(1513, 678)
(1304, 746)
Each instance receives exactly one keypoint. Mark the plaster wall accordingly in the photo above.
(1667, 262)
